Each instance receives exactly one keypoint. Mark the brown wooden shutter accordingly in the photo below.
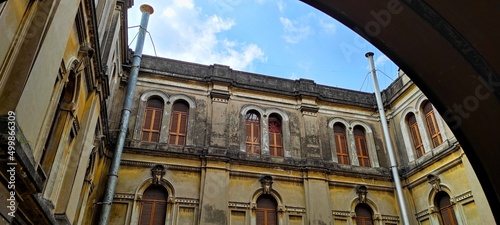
(183, 123)
(252, 139)
(266, 210)
(261, 217)
(160, 212)
(363, 215)
(446, 209)
(152, 120)
(178, 123)
(174, 126)
(148, 116)
(275, 135)
(361, 147)
(271, 217)
(146, 212)
(279, 145)
(248, 136)
(415, 135)
(154, 206)
(341, 144)
(432, 125)
(256, 137)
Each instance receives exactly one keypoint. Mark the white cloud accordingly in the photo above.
(169, 12)
(293, 76)
(295, 31)
(229, 5)
(281, 6)
(381, 60)
(184, 3)
(328, 27)
(183, 32)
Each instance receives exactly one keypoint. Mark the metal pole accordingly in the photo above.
(109, 192)
(383, 121)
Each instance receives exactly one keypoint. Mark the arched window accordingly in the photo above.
(364, 214)
(415, 134)
(154, 206)
(152, 120)
(445, 209)
(275, 135)
(266, 210)
(432, 126)
(361, 146)
(252, 128)
(178, 123)
(339, 133)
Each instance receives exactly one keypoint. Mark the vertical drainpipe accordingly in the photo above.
(109, 192)
(392, 159)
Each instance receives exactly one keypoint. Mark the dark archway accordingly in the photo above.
(450, 50)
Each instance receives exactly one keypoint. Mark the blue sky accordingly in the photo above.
(281, 38)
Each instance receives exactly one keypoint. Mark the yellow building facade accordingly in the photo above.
(59, 60)
(206, 144)
(222, 168)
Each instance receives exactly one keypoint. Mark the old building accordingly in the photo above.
(206, 144)
(59, 60)
(211, 145)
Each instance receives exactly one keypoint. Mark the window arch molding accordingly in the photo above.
(139, 120)
(420, 105)
(376, 213)
(272, 192)
(370, 142)
(264, 126)
(407, 139)
(280, 209)
(333, 145)
(433, 192)
(435, 209)
(167, 109)
(136, 208)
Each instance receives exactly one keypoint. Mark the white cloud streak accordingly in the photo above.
(281, 6)
(328, 27)
(295, 31)
(381, 60)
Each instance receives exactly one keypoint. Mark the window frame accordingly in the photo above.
(177, 133)
(360, 141)
(449, 209)
(351, 142)
(341, 144)
(431, 123)
(415, 135)
(155, 110)
(264, 130)
(254, 146)
(363, 218)
(266, 211)
(153, 207)
(165, 124)
(275, 138)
